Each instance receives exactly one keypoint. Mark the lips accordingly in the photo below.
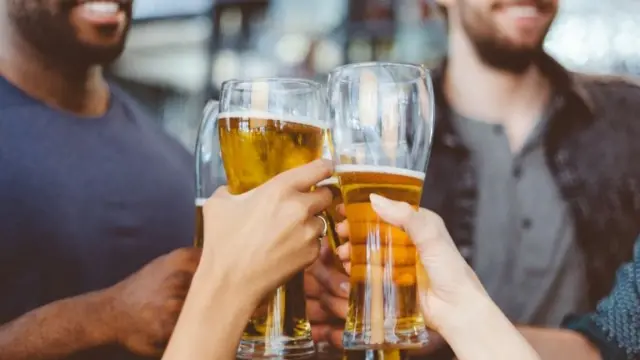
(107, 14)
(522, 11)
(106, 7)
(525, 7)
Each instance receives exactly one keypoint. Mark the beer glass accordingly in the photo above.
(265, 127)
(382, 118)
(209, 172)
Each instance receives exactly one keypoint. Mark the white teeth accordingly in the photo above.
(522, 11)
(102, 7)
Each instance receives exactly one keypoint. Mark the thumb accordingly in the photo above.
(423, 227)
(396, 213)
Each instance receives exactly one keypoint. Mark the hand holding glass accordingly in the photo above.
(382, 116)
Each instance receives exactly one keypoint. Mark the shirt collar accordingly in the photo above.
(569, 90)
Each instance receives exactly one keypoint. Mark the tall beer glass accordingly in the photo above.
(266, 127)
(209, 171)
(383, 120)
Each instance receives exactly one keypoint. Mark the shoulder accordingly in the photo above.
(137, 113)
(609, 93)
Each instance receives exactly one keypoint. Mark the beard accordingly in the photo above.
(495, 50)
(50, 32)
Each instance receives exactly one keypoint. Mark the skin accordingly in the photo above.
(250, 259)
(485, 47)
(488, 47)
(454, 302)
(59, 62)
(456, 306)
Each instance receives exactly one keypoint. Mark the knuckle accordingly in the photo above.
(183, 254)
(326, 195)
(324, 167)
(297, 209)
(430, 225)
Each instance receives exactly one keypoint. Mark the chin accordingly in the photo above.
(97, 55)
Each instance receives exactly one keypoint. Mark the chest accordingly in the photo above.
(93, 202)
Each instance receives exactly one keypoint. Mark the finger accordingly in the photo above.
(317, 201)
(342, 229)
(311, 237)
(221, 193)
(423, 226)
(331, 279)
(394, 212)
(337, 306)
(328, 333)
(344, 252)
(316, 313)
(347, 267)
(306, 176)
(312, 288)
(314, 229)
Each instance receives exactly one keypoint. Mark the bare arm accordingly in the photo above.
(58, 330)
(481, 331)
(212, 320)
(557, 344)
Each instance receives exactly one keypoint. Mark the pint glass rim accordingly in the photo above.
(303, 85)
(422, 73)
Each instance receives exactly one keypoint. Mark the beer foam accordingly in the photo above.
(329, 181)
(345, 168)
(200, 201)
(265, 115)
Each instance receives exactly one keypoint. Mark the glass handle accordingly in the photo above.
(206, 150)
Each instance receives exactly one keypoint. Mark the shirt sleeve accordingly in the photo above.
(615, 326)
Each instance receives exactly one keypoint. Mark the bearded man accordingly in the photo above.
(533, 169)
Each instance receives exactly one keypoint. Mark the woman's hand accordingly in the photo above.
(453, 301)
(261, 238)
(451, 281)
(253, 242)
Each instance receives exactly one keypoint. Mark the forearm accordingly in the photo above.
(211, 322)
(57, 330)
(556, 344)
(481, 332)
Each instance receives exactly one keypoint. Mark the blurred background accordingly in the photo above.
(180, 52)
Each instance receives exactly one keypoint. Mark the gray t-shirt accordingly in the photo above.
(525, 251)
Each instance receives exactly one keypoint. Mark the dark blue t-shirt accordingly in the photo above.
(85, 202)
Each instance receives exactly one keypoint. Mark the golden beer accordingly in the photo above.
(198, 239)
(256, 147)
(383, 308)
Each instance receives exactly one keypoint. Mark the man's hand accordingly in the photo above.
(146, 305)
(327, 290)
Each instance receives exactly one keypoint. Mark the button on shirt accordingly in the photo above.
(525, 251)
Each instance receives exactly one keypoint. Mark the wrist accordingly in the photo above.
(479, 330)
(99, 310)
(466, 315)
(210, 289)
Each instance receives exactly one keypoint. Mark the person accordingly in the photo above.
(610, 333)
(221, 298)
(243, 261)
(532, 168)
(96, 201)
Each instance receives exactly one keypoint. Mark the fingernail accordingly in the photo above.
(380, 203)
(345, 286)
